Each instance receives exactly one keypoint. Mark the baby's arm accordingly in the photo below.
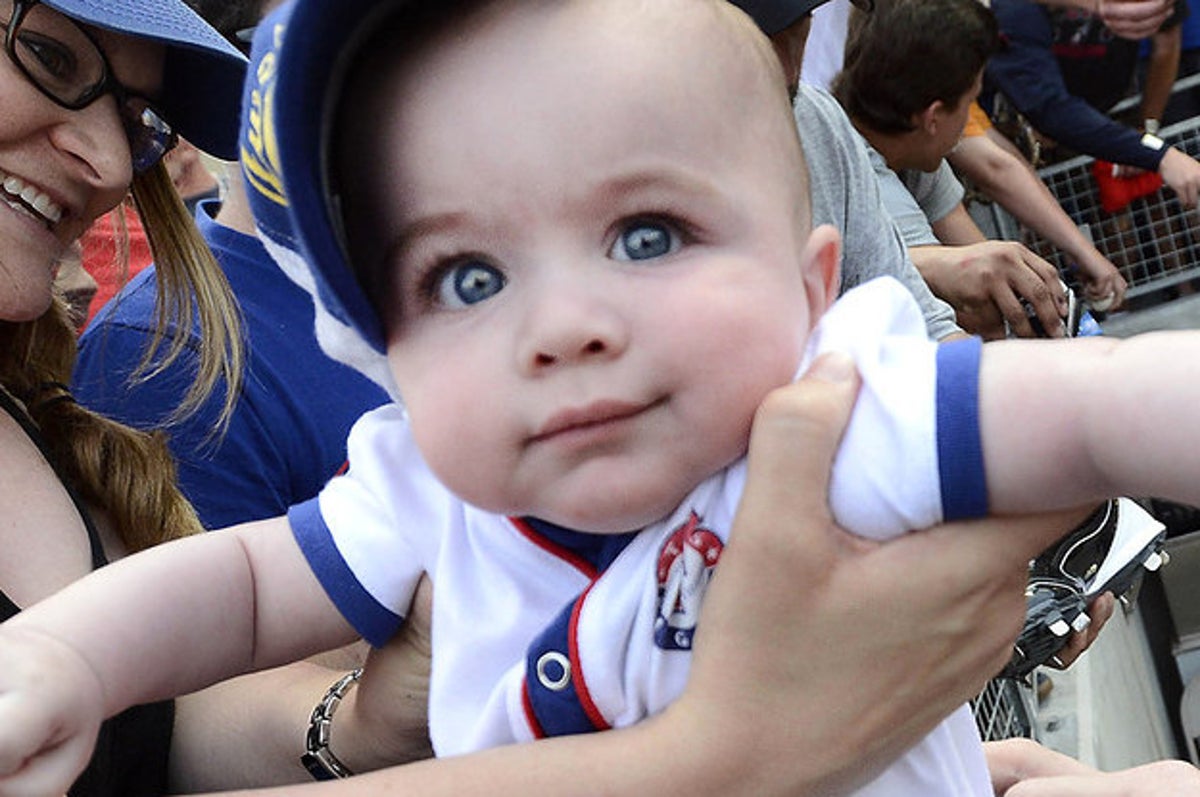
(1065, 423)
(158, 624)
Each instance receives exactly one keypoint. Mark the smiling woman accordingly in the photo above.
(94, 94)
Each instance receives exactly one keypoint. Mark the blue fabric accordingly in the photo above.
(1030, 76)
(559, 711)
(598, 550)
(294, 58)
(202, 72)
(288, 433)
(959, 441)
(373, 621)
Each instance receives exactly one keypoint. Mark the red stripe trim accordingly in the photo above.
(581, 690)
(554, 549)
(536, 727)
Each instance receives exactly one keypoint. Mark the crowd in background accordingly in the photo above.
(228, 368)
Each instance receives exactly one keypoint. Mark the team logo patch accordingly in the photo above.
(685, 564)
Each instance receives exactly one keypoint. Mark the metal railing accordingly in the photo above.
(1004, 710)
(1154, 241)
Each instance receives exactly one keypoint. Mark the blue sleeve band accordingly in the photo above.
(374, 621)
(959, 446)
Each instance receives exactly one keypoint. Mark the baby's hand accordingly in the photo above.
(51, 707)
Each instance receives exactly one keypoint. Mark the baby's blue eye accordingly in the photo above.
(645, 240)
(469, 283)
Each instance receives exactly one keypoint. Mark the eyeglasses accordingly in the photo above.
(67, 65)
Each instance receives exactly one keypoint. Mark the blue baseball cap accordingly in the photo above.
(299, 56)
(282, 161)
(203, 73)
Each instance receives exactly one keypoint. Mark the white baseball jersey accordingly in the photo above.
(539, 630)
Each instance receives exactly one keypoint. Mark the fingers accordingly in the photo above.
(33, 769)
(1042, 288)
(1011, 761)
(1119, 287)
(782, 542)
(51, 772)
(1151, 780)
(1109, 292)
(1099, 610)
(1018, 279)
(796, 432)
(1009, 303)
(1106, 292)
(1076, 645)
(1134, 19)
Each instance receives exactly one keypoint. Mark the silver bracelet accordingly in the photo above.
(318, 759)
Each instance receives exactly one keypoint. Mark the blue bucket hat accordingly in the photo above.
(300, 54)
(203, 73)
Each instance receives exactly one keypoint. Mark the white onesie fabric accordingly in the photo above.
(539, 630)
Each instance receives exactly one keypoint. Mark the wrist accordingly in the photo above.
(368, 739)
(319, 758)
(754, 762)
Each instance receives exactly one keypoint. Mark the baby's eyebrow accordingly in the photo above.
(423, 227)
(659, 178)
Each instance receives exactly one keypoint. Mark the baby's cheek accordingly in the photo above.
(459, 451)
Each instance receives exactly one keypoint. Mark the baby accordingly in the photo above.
(583, 229)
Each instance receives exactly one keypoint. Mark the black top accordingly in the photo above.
(130, 759)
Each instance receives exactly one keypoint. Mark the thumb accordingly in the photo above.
(792, 445)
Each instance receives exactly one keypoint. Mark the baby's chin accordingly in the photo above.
(610, 517)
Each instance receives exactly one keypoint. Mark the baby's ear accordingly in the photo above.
(821, 262)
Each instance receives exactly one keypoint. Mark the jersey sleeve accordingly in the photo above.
(371, 533)
(911, 456)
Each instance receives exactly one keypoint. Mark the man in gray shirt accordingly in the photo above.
(909, 97)
(845, 192)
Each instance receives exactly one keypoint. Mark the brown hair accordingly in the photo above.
(907, 54)
(190, 287)
(128, 473)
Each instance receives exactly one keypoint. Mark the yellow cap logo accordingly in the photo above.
(260, 150)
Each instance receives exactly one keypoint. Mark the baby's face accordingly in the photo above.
(595, 251)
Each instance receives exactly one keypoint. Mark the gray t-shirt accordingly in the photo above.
(846, 194)
(916, 199)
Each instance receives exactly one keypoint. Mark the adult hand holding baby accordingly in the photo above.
(893, 636)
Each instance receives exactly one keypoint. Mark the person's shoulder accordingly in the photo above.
(132, 309)
(815, 107)
(829, 139)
